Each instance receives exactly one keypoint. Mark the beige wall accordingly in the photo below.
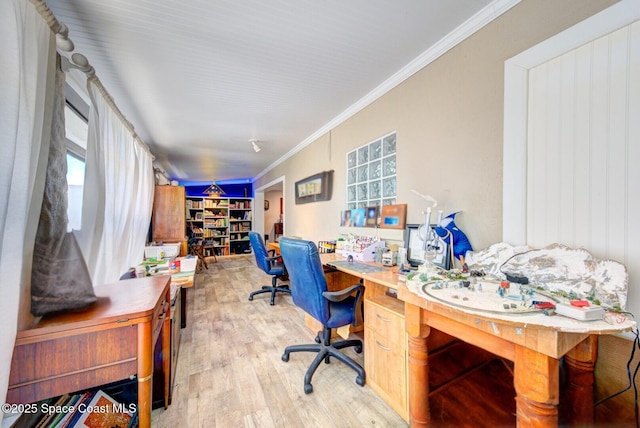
(273, 213)
(448, 118)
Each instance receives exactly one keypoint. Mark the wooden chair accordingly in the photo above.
(196, 248)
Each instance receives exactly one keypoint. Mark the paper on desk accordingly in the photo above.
(343, 331)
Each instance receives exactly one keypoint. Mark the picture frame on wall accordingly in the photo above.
(393, 216)
(314, 188)
(345, 218)
(358, 217)
(371, 219)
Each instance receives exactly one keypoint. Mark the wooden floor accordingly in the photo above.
(230, 372)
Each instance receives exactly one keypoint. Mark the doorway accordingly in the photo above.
(271, 195)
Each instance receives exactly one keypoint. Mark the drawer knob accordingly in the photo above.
(380, 345)
(381, 318)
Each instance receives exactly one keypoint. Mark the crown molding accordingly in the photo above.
(492, 11)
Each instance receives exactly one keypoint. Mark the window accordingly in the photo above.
(76, 129)
(371, 174)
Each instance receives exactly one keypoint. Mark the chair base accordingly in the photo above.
(272, 290)
(326, 350)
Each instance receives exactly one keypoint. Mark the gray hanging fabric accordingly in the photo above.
(60, 279)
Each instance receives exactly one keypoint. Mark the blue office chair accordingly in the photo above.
(270, 264)
(332, 309)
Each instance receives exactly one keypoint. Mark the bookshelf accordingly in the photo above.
(224, 223)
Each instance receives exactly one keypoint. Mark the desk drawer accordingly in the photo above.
(387, 324)
(385, 365)
(52, 367)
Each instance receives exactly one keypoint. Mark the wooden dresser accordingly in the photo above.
(168, 223)
(113, 339)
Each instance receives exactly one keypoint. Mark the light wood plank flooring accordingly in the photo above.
(230, 372)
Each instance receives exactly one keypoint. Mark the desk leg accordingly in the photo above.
(183, 307)
(418, 367)
(145, 373)
(166, 354)
(537, 391)
(577, 398)
(419, 415)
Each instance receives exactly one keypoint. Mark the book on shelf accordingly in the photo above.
(107, 413)
(88, 409)
(82, 402)
(50, 416)
(74, 400)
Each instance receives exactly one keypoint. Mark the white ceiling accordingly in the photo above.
(199, 78)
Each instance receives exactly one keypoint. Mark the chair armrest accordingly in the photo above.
(271, 252)
(340, 295)
(337, 296)
(275, 260)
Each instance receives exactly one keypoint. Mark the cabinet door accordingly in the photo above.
(168, 221)
(385, 366)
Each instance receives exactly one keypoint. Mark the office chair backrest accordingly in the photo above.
(306, 277)
(260, 251)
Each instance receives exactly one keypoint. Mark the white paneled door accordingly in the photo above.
(572, 141)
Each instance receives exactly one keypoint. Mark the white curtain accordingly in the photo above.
(118, 194)
(27, 64)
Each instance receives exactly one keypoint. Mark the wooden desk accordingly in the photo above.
(184, 282)
(111, 340)
(385, 356)
(535, 349)
(274, 246)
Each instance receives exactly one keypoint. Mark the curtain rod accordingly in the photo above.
(79, 61)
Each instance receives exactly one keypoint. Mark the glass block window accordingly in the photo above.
(371, 174)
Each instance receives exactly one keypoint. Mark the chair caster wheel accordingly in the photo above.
(308, 388)
(360, 380)
(285, 357)
(358, 349)
(250, 298)
(272, 303)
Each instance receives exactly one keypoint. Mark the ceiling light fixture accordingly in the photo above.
(214, 190)
(256, 147)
